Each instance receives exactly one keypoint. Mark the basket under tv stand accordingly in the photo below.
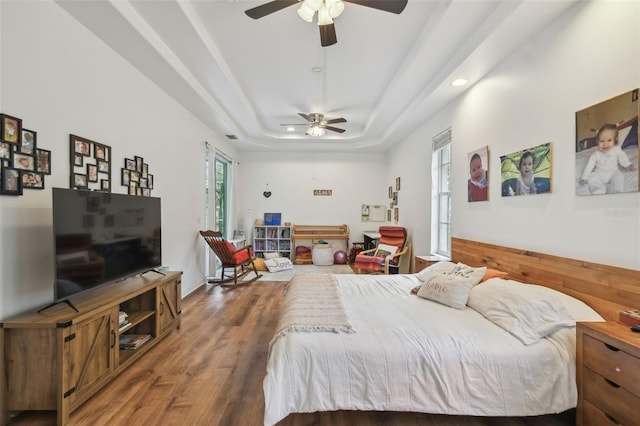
(57, 359)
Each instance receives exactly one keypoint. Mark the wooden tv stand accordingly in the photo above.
(57, 359)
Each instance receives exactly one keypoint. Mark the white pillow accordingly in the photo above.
(521, 309)
(450, 290)
(578, 310)
(437, 268)
(271, 255)
(474, 275)
(278, 264)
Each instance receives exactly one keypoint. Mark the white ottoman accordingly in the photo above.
(322, 254)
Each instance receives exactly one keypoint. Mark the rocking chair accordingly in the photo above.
(236, 260)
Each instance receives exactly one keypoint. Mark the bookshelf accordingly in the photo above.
(272, 239)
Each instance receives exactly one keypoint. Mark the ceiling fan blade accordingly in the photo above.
(333, 129)
(327, 35)
(393, 6)
(306, 117)
(269, 8)
(336, 120)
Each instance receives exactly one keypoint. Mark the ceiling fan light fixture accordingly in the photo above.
(324, 18)
(314, 4)
(315, 130)
(335, 7)
(305, 12)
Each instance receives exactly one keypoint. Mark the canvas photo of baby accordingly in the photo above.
(478, 182)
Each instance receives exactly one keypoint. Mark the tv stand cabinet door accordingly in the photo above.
(169, 297)
(91, 355)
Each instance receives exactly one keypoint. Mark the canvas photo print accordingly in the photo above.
(526, 172)
(478, 182)
(607, 146)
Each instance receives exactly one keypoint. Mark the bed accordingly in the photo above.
(401, 352)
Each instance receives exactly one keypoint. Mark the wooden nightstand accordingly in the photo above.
(421, 262)
(607, 373)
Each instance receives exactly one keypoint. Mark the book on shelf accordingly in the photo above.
(133, 341)
(124, 324)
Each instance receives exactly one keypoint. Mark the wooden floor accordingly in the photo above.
(210, 372)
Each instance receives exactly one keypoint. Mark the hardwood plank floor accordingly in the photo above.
(210, 372)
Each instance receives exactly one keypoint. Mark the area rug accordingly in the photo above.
(303, 269)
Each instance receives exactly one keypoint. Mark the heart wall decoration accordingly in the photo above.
(266, 194)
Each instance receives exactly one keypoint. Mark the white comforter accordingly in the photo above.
(412, 354)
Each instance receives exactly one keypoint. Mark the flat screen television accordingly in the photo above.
(102, 237)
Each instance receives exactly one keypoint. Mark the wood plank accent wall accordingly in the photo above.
(606, 289)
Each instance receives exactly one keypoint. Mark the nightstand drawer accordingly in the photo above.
(613, 400)
(422, 262)
(593, 416)
(614, 364)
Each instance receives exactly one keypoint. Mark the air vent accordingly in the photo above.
(231, 137)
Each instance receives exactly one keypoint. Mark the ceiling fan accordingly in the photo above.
(318, 124)
(327, 10)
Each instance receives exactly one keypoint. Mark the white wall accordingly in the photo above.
(354, 179)
(586, 57)
(60, 79)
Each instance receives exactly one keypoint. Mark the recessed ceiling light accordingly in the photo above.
(316, 69)
(459, 82)
(291, 129)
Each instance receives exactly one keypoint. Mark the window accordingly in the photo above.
(221, 199)
(441, 194)
(217, 197)
(216, 191)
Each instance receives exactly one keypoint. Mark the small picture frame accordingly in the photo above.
(10, 129)
(397, 184)
(80, 181)
(143, 183)
(129, 164)
(11, 182)
(28, 141)
(23, 161)
(125, 177)
(5, 150)
(133, 186)
(78, 160)
(145, 170)
(146, 192)
(389, 215)
(150, 181)
(43, 161)
(134, 176)
(100, 152)
(139, 163)
(103, 166)
(396, 214)
(105, 185)
(390, 192)
(92, 172)
(32, 180)
(395, 198)
(81, 146)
